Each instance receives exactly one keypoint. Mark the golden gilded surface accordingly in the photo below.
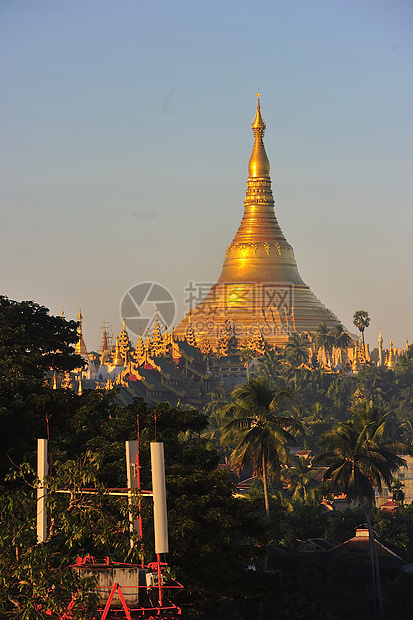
(259, 284)
(259, 238)
(259, 165)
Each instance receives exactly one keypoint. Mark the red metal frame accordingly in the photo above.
(116, 587)
(165, 610)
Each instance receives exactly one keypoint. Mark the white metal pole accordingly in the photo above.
(131, 452)
(42, 471)
(159, 498)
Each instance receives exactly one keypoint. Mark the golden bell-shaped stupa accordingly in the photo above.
(260, 283)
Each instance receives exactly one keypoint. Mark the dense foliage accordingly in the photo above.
(218, 541)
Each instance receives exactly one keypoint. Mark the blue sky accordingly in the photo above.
(126, 137)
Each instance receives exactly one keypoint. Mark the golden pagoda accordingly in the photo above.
(260, 283)
(80, 346)
(125, 347)
(118, 359)
(391, 360)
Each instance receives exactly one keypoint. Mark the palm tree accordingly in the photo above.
(302, 479)
(270, 366)
(342, 340)
(213, 434)
(218, 398)
(397, 490)
(360, 457)
(369, 387)
(324, 341)
(361, 320)
(261, 434)
(369, 417)
(297, 350)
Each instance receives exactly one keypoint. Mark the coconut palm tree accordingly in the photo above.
(342, 340)
(260, 433)
(302, 479)
(361, 320)
(360, 458)
(297, 350)
(218, 398)
(270, 366)
(324, 340)
(213, 434)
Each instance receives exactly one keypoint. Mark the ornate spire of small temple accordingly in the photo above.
(117, 360)
(140, 347)
(125, 347)
(260, 282)
(380, 348)
(80, 346)
(391, 361)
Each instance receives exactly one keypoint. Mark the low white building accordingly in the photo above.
(405, 475)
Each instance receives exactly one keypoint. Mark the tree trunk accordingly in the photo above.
(375, 565)
(267, 508)
(264, 479)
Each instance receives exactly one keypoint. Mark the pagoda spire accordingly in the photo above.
(124, 343)
(117, 360)
(80, 346)
(380, 348)
(156, 339)
(260, 277)
(259, 251)
(259, 165)
(391, 361)
(140, 347)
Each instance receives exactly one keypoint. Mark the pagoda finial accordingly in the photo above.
(258, 122)
(258, 166)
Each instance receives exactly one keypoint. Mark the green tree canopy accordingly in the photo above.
(261, 434)
(361, 457)
(361, 320)
(32, 342)
(297, 349)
